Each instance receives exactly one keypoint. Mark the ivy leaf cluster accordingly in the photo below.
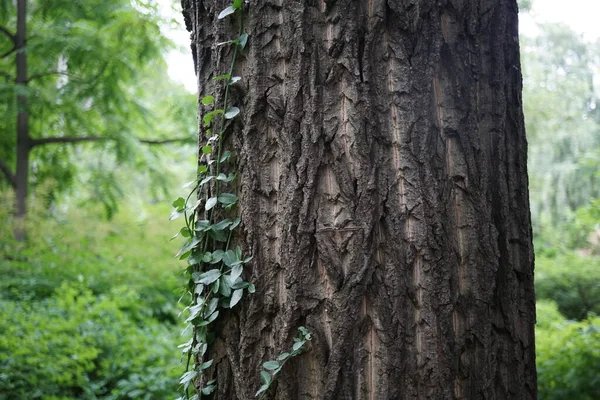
(215, 267)
(271, 368)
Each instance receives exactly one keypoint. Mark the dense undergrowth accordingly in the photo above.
(88, 307)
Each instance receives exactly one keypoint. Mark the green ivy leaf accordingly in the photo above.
(225, 178)
(202, 225)
(194, 312)
(206, 180)
(175, 214)
(219, 236)
(236, 272)
(265, 377)
(229, 258)
(206, 149)
(210, 276)
(207, 364)
(188, 246)
(231, 112)
(213, 316)
(228, 11)
(208, 117)
(187, 378)
(212, 307)
(303, 331)
(227, 199)
(195, 258)
(225, 157)
(210, 203)
(262, 389)
(236, 297)
(235, 223)
(206, 100)
(219, 226)
(199, 288)
(214, 287)
(251, 288)
(271, 365)
(185, 347)
(179, 204)
(242, 40)
(237, 4)
(239, 284)
(208, 389)
(221, 77)
(283, 356)
(224, 288)
(216, 256)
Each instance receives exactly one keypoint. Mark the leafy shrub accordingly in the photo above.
(75, 345)
(80, 246)
(568, 355)
(88, 307)
(572, 281)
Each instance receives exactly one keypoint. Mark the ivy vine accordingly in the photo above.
(215, 267)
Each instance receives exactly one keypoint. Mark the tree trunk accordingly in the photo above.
(23, 145)
(384, 195)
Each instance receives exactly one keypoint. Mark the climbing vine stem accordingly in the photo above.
(215, 268)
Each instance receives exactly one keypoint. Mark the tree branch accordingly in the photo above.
(43, 74)
(79, 139)
(65, 139)
(167, 141)
(8, 174)
(8, 33)
(8, 52)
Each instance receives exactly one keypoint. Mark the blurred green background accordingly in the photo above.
(89, 301)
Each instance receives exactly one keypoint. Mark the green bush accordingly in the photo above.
(131, 250)
(76, 345)
(568, 355)
(572, 281)
(89, 307)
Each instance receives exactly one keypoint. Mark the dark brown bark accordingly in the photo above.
(384, 196)
(23, 146)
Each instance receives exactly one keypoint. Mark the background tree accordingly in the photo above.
(383, 190)
(561, 110)
(562, 120)
(95, 75)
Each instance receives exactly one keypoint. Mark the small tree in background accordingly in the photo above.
(81, 72)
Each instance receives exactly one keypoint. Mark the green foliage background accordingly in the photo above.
(561, 101)
(89, 308)
(96, 69)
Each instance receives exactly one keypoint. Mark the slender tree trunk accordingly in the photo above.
(23, 145)
(384, 196)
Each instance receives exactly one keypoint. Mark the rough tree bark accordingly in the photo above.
(384, 195)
